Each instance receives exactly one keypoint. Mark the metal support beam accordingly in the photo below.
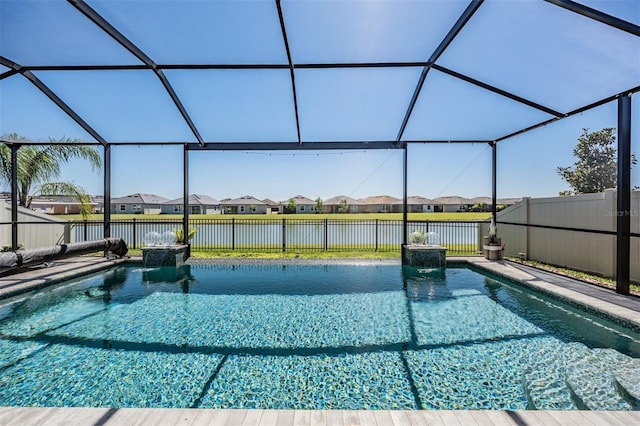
(51, 95)
(623, 226)
(571, 113)
(598, 16)
(185, 194)
(14, 197)
(497, 91)
(107, 191)
(291, 146)
(494, 181)
(453, 32)
(97, 19)
(405, 158)
(291, 67)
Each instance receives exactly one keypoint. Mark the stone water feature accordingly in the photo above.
(492, 247)
(163, 250)
(424, 251)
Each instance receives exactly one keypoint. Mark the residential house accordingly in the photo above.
(138, 204)
(336, 204)
(454, 203)
(198, 204)
(99, 200)
(244, 205)
(272, 206)
(379, 204)
(508, 201)
(482, 204)
(58, 204)
(417, 204)
(303, 204)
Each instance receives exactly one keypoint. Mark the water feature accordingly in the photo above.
(162, 250)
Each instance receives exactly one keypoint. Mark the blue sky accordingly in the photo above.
(531, 48)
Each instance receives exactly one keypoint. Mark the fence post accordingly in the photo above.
(134, 233)
(67, 232)
(85, 230)
(233, 233)
(326, 234)
(284, 235)
(377, 224)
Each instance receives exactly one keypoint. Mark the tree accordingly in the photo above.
(39, 166)
(291, 205)
(344, 206)
(319, 205)
(596, 166)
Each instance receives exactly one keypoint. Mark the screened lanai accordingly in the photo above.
(311, 76)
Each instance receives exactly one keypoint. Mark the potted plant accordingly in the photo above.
(181, 237)
(417, 237)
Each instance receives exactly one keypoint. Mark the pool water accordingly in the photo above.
(313, 337)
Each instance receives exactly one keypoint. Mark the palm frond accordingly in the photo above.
(68, 189)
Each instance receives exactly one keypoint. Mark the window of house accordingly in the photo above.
(385, 208)
(176, 209)
(301, 208)
(241, 209)
(122, 207)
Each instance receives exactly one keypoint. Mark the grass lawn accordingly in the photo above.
(334, 216)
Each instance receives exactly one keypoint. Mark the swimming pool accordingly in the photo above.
(309, 336)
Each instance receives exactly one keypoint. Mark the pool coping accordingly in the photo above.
(25, 416)
(51, 273)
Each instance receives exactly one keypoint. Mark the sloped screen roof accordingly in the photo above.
(267, 74)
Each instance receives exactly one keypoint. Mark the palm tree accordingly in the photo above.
(39, 166)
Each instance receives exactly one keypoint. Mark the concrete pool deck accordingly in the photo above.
(606, 302)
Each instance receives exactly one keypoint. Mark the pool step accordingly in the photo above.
(546, 372)
(626, 372)
(592, 381)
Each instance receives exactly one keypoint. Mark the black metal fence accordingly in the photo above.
(460, 237)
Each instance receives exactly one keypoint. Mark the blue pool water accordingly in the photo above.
(340, 336)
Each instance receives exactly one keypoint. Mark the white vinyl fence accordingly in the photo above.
(35, 230)
(586, 251)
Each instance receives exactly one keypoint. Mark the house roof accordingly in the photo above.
(243, 201)
(269, 202)
(452, 200)
(196, 199)
(484, 200)
(508, 201)
(57, 199)
(417, 200)
(139, 198)
(337, 199)
(380, 199)
(301, 199)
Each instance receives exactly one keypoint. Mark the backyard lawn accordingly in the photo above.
(332, 216)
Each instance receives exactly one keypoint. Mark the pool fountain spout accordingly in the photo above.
(424, 251)
(163, 250)
(493, 249)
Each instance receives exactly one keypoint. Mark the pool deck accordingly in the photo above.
(53, 272)
(194, 416)
(626, 308)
